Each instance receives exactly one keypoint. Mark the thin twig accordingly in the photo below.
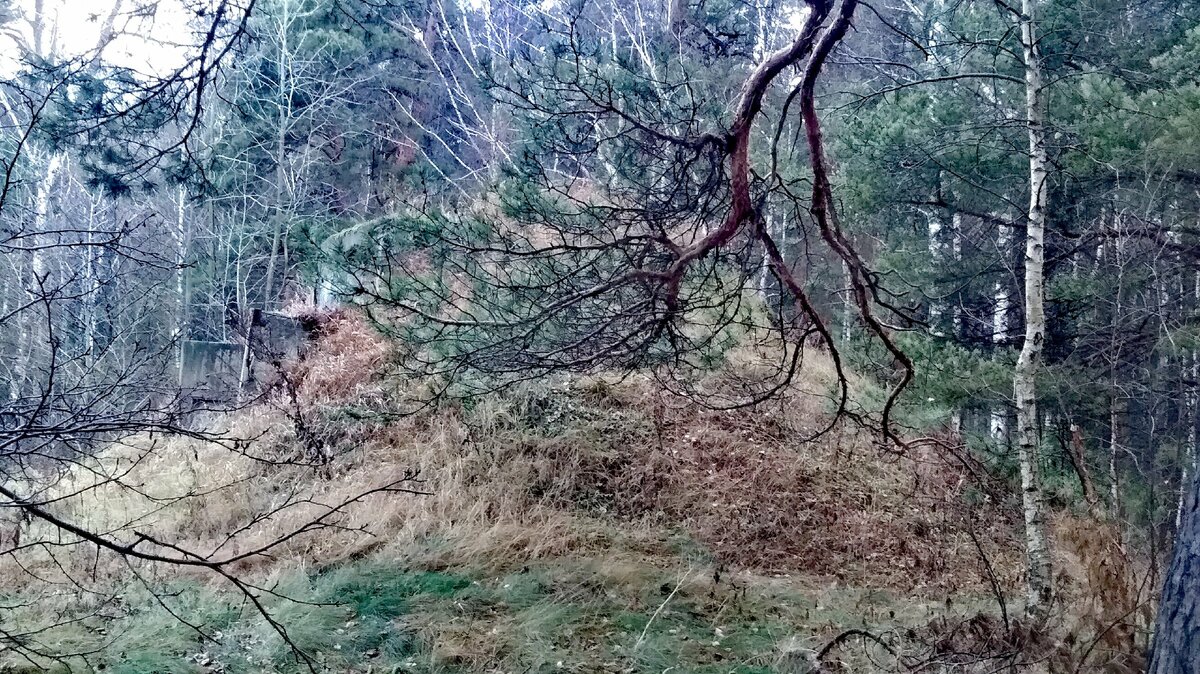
(642, 636)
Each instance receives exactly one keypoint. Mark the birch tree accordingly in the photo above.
(1029, 436)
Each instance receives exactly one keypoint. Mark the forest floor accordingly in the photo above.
(594, 525)
(571, 614)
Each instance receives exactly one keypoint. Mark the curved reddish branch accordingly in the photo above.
(862, 288)
(817, 45)
(737, 144)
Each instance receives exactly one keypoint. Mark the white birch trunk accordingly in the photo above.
(1187, 463)
(32, 328)
(178, 332)
(998, 424)
(92, 284)
(956, 227)
(1116, 421)
(933, 225)
(1037, 550)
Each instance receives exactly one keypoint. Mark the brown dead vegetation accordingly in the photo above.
(621, 472)
(746, 483)
(584, 467)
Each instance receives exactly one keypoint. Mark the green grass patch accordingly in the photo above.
(566, 615)
(384, 591)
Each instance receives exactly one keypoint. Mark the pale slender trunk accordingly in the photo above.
(179, 333)
(956, 226)
(1001, 299)
(6, 351)
(277, 232)
(765, 271)
(283, 94)
(1187, 463)
(1037, 549)
(245, 372)
(1116, 441)
(847, 305)
(998, 424)
(91, 282)
(933, 224)
(244, 315)
(241, 273)
(33, 338)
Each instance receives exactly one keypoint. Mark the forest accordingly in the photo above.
(629, 336)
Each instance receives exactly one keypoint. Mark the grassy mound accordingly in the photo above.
(593, 525)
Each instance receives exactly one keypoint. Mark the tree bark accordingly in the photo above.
(1077, 451)
(1118, 407)
(998, 418)
(33, 338)
(286, 89)
(1037, 552)
(1176, 647)
(179, 332)
(1187, 461)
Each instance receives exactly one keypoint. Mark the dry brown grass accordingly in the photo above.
(1107, 595)
(744, 485)
(346, 358)
(583, 469)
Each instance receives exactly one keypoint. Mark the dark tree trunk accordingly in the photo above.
(1176, 648)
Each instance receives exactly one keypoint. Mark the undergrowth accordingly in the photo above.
(572, 615)
(595, 525)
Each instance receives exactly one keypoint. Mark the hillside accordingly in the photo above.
(597, 525)
(499, 336)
